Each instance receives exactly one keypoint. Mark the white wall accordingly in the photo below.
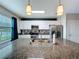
(62, 21)
(70, 24)
(73, 27)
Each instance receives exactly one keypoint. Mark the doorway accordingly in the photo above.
(73, 30)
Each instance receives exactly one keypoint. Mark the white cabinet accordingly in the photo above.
(29, 36)
(24, 36)
(44, 36)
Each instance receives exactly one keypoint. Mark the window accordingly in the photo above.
(5, 28)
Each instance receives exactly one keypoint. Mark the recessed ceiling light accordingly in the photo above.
(38, 11)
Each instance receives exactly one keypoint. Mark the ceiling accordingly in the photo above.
(49, 6)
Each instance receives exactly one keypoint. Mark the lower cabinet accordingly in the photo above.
(38, 36)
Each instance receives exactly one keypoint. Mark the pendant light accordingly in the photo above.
(29, 8)
(60, 9)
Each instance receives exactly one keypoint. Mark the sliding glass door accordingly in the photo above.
(5, 29)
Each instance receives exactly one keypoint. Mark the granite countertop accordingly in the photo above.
(28, 32)
(23, 50)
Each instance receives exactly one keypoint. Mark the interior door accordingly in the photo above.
(73, 30)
